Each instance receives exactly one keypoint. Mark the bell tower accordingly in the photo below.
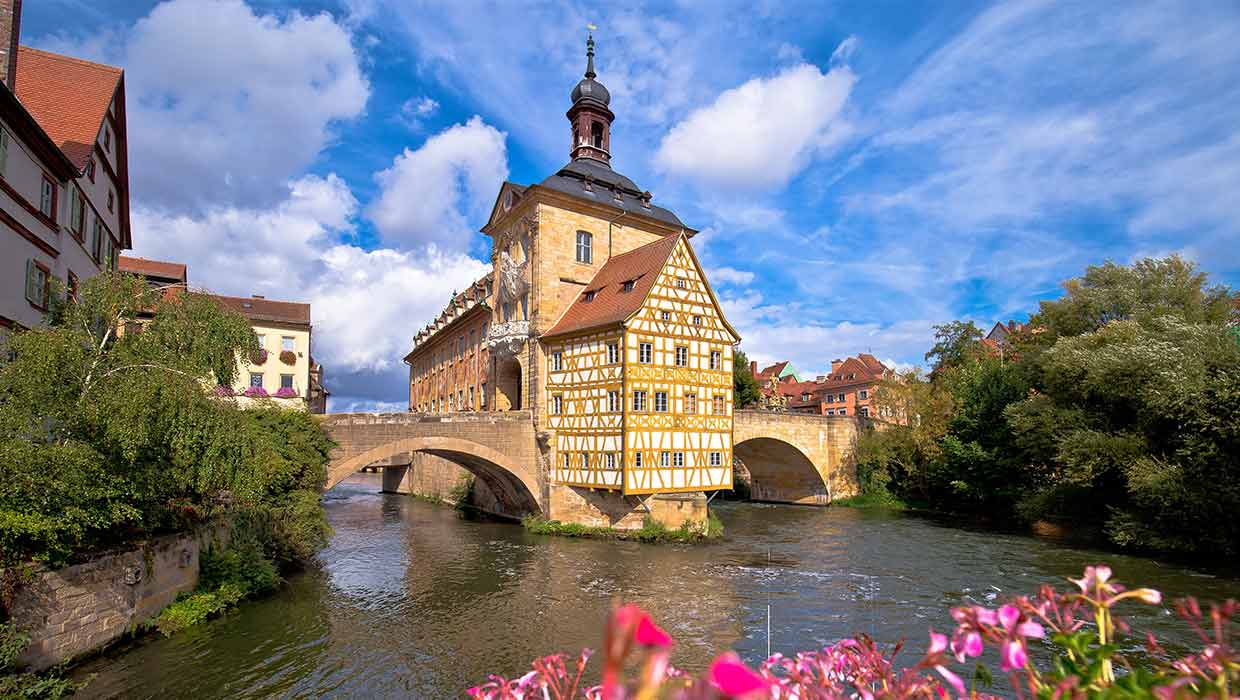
(589, 116)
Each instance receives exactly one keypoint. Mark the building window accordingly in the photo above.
(628, 285)
(482, 395)
(660, 402)
(718, 405)
(38, 283)
(637, 460)
(107, 140)
(596, 134)
(47, 198)
(639, 400)
(557, 361)
(716, 359)
(831, 412)
(77, 211)
(90, 169)
(588, 296)
(286, 381)
(96, 238)
(716, 459)
(287, 343)
(4, 152)
(613, 401)
(645, 352)
(566, 460)
(262, 340)
(665, 459)
(680, 283)
(111, 200)
(863, 394)
(865, 412)
(585, 460)
(697, 320)
(585, 247)
(256, 378)
(840, 398)
(682, 356)
(471, 398)
(613, 354)
(805, 397)
(666, 315)
(451, 403)
(678, 459)
(843, 412)
(557, 404)
(610, 460)
(691, 403)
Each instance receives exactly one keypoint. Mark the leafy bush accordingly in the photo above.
(26, 685)
(225, 578)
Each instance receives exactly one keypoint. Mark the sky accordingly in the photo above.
(858, 171)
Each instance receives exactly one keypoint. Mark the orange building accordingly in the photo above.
(849, 390)
(450, 366)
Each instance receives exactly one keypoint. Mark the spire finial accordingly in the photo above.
(590, 56)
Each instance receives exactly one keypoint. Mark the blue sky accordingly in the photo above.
(860, 171)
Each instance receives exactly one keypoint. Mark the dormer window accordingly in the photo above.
(588, 296)
(628, 285)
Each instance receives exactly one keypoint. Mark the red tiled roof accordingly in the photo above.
(257, 309)
(611, 304)
(153, 268)
(67, 96)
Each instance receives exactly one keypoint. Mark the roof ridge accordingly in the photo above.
(73, 59)
(662, 240)
(253, 298)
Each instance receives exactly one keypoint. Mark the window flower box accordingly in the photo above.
(286, 392)
(288, 357)
(255, 392)
(258, 357)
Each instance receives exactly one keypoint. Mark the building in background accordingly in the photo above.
(283, 369)
(769, 382)
(849, 390)
(599, 321)
(64, 183)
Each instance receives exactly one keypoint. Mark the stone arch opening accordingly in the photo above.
(513, 489)
(780, 472)
(508, 385)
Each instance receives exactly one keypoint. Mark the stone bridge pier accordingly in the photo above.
(428, 453)
(796, 458)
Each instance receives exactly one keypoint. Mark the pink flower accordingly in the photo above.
(1008, 615)
(649, 634)
(951, 678)
(1030, 629)
(1148, 595)
(733, 678)
(938, 642)
(1095, 577)
(968, 645)
(984, 616)
(1012, 655)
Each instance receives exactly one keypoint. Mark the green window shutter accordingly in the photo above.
(30, 281)
(4, 151)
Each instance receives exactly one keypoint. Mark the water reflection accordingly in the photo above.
(411, 601)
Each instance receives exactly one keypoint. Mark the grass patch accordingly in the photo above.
(884, 501)
(225, 579)
(650, 531)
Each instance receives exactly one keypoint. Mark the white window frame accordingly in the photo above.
(863, 394)
(637, 460)
(609, 460)
(557, 361)
(719, 405)
(660, 402)
(4, 151)
(290, 381)
(716, 359)
(38, 282)
(678, 459)
(288, 343)
(665, 458)
(557, 404)
(47, 197)
(691, 403)
(585, 460)
(613, 401)
(665, 315)
(639, 400)
(259, 376)
(645, 353)
(716, 459)
(585, 247)
(613, 353)
(682, 356)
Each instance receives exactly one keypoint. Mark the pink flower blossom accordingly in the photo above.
(1008, 615)
(649, 634)
(938, 642)
(967, 645)
(733, 678)
(1095, 577)
(951, 678)
(1012, 655)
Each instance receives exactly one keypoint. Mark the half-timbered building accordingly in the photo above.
(601, 323)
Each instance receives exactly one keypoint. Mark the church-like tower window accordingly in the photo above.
(585, 247)
(596, 134)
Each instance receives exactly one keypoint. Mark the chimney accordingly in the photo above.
(753, 367)
(10, 30)
(835, 365)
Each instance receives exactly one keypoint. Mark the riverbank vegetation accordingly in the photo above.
(1094, 654)
(1116, 408)
(650, 530)
(110, 435)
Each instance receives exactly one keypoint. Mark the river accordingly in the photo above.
(411, 601)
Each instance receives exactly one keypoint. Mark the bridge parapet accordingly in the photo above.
(797, 458)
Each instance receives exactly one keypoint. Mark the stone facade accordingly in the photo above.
(791, 458)
(81, 609)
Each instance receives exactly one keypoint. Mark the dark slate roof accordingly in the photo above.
(595, 181)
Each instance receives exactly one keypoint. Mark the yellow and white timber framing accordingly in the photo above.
(646, 406)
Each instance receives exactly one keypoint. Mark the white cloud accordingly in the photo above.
(776, 332)
(366, 304)
(763, 133)
(427, 194)
(225, 105)
(730, 275)
(416, 110)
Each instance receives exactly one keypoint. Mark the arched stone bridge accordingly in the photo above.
(791, 458)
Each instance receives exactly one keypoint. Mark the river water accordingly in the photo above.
(411, 601)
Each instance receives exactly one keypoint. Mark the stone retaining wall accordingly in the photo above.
(81, 609)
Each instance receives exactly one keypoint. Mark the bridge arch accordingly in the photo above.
(781, 472)
(505, 478)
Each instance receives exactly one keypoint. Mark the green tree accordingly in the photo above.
(955, 343)
(745, 391)
(107, 436)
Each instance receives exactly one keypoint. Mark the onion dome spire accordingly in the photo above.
(590, 117)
